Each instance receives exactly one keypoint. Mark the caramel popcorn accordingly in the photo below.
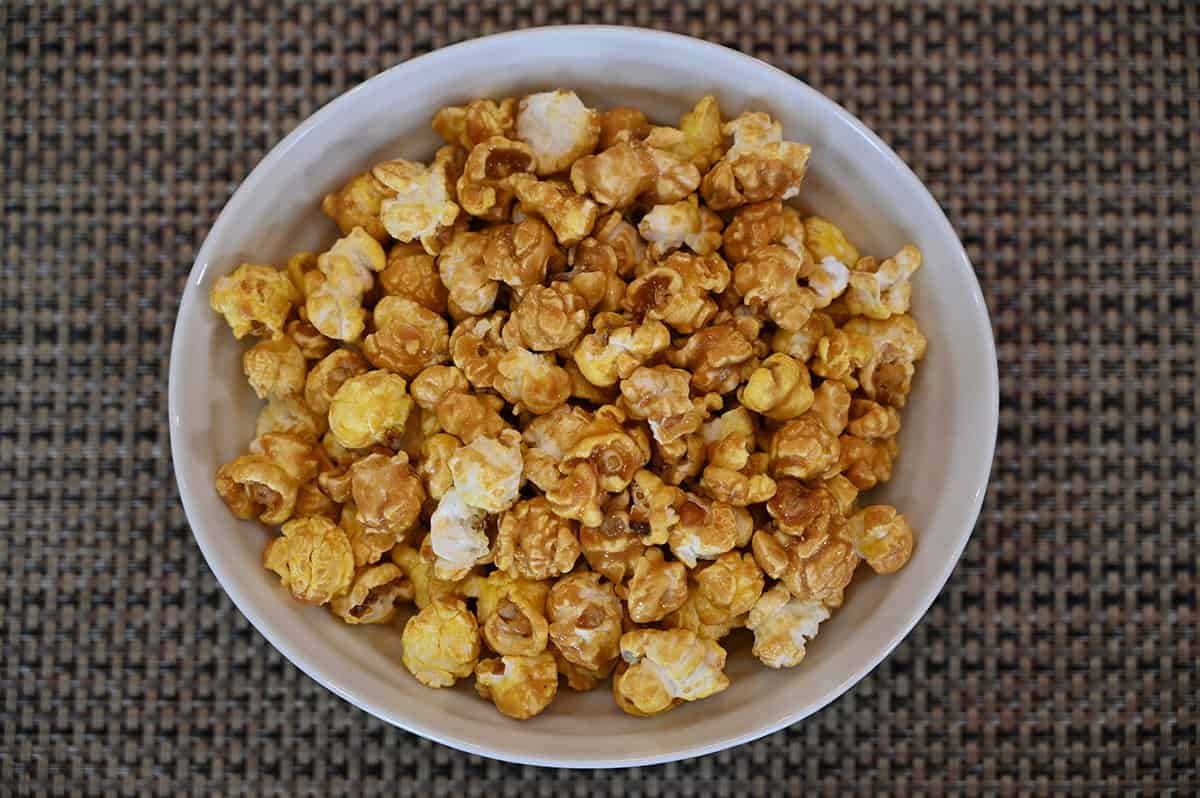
(369, 408)
(585, 620)
(329, 374)
(483, 189)
(677, 290)
(290, 415)
(535, 543)
(569, 215)
(720, 357)
(760, 225)
(255, 300)
(882, 537)
(780, 388)
(408, 337)
(660, 395)
(666, 668)
(657, 588)
(782, 627)
(308, 339)
(357, 204)
(421, 204)
(477, 121)
(521, 255)
(275, 368)
(313, 559)
(558, 127)
(547, 318)
(441, 643)
(465, 275)
(685, 223)
(519, 686)
(622, 124)
(412, 273)
(616, 177)
(373, 595)
(698, 140)
(617, 347)
(588, 335)
(759, 166)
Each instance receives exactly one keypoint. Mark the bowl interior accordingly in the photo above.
(853, 178)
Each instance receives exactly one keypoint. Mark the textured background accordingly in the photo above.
(1063, 139)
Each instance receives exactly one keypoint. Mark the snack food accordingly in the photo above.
(576, 399)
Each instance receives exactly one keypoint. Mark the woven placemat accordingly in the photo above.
(1062, 139)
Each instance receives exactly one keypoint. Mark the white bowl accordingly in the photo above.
(854, 179)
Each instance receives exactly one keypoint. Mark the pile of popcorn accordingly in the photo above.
(587, 393)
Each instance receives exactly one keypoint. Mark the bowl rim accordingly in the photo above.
(278, 639)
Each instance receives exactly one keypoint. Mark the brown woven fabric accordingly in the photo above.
(1063, 140)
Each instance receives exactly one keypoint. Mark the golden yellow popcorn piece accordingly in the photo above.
(548, 439)
(896, 345)
(356, 204)
(617, 347)
(816, 566)
(616, 177)
(441, 643)
(707, 529)
(520, 687)
(882, 537)
(435, 383)
(839, 355)
(290, 415)
(569, 215)
(255, 299)
(734, 472)
(368, 409)
(661, 396)
(418, 568)
(334, 292)
(779, 389)
(871, 420)
(824, 240)
(373, 595)
(308, 339)
(412, 273)
(487, 471)
(483, 189)
(408, 338)
(531, 381)
(666, 668)
(558, 127)
(721, 595)
(477, 121)
(520, 255)
(802, 344)
(657, 588)
(681, 459)
(535, 543)
(719, 356)
(762, 224)
(867, 463)
(547, 318)
(622, 238)
(252, 485)
(329, 374)
(768, 279)
(681, 224)
(463, 272)
(655, 505)
(622, 124)
(782, 627)
(614, 452)
(298, 267)
(387, 492)
(476, 347)
(759, 166)
(585, 620)
(275, 368)
(677, 290)
(420, 206)
(808, 512)
(368, 545)
(698, 140)
(469, 416)
(612, 547)
(511, 612)
(434, 463)
(313, 559)
(808, 446)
